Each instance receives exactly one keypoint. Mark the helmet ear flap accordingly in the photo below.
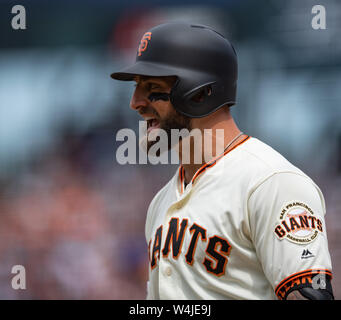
(199, 95)
(196, 95)
(201, 100)
(198, 99)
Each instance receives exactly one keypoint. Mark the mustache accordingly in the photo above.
(148, 110)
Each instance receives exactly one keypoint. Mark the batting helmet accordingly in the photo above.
(202, 59)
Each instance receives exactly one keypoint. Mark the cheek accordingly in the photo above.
(164, 109)
(174, 120)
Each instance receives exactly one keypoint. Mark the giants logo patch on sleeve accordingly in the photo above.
(298, 223)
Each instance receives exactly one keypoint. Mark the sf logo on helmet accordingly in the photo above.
(144, 42)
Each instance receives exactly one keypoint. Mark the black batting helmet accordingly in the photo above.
(202, 59)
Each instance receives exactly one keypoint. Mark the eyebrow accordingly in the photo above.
(152, 81)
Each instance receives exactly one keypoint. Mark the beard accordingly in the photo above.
(173, 120)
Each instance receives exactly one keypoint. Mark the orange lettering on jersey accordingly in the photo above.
(217, 249)
(298, 223)
(196, 230)
(156, 247)
(285, 226)
(312, 221)
(219, 256)
(280, 231)
(293, 224)
(176, 236)
(304, 221)
(319, 225)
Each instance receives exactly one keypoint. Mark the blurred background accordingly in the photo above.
(69, 212)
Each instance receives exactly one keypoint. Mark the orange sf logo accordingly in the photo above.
(144, 42)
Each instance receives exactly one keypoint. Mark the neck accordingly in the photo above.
(210, 143)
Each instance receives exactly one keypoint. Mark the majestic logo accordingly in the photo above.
(306, 254)
(298, 223)
(144, 43)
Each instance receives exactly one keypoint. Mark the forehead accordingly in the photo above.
(164, 81)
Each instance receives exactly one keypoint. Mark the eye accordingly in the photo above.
(154, 86)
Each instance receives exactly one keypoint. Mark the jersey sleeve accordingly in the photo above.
(286, 214)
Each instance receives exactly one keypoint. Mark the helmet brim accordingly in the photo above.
(143, 68)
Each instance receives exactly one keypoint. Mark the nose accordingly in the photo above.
(138, 100)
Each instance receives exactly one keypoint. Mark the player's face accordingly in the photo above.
(159, 113)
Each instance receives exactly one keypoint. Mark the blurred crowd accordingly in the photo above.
(71, 221)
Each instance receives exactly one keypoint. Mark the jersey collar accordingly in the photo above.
(205, 166)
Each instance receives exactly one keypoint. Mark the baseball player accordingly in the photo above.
(247, 224)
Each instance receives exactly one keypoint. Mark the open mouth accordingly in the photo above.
(152, 123)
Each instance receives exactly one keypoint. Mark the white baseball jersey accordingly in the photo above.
(250, 225)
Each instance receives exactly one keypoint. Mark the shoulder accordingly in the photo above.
(256, 166)
(285, 196)
(256, 161)
(288, 187)
(265, 158)
(275, 168)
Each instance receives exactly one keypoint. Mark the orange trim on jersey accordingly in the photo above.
(159, 243)
(149, 244)
(182, 178)
(209, 164)
(297, 275)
